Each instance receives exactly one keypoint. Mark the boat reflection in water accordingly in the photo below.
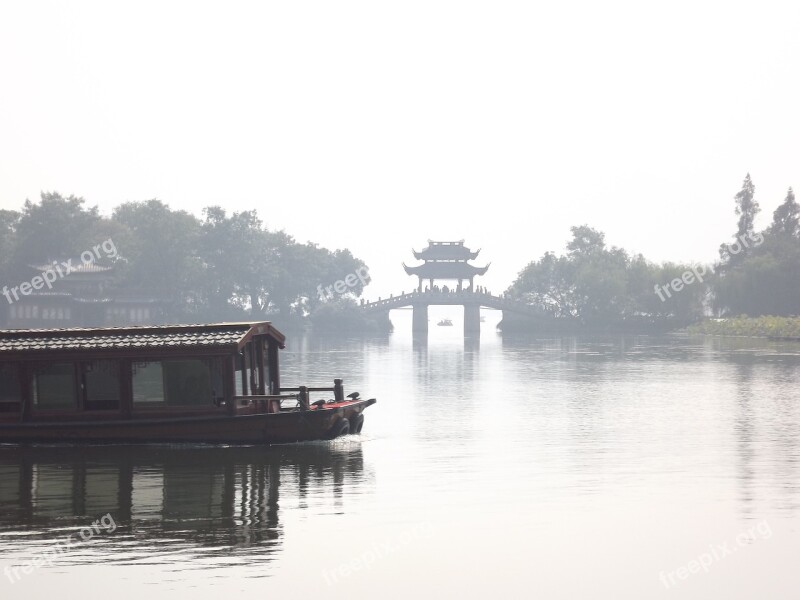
(163, 499)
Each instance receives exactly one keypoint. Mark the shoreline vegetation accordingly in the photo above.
(230, 267)
(221, 266)
(753, 289)
(786, 328)
(517, 325)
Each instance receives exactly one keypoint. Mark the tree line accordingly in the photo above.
(219, 267)
(592, 284)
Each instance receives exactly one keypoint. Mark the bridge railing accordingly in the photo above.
(431, 296)
(427, 294)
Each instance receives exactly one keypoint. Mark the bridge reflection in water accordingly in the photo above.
(164, 498)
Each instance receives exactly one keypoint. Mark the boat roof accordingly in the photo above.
(222, 336)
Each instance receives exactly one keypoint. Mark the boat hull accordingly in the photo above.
(259, 428)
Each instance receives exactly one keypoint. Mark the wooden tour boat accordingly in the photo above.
(184, 383)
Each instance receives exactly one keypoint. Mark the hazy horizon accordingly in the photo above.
(376, 128)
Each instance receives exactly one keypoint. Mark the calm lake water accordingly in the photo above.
(603, 467)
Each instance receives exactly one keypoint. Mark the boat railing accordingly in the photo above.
(304, 392)
(265, 403)
(301, 395)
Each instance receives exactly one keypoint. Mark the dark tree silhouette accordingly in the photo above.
(786, 218)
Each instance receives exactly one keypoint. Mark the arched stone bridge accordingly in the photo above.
(472, 301)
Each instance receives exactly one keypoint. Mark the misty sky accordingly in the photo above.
(378, 125)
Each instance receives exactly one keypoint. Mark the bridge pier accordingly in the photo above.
(472, 319)
(419, 320)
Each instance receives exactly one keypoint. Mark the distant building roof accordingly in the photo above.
(446, 270)
(446, 251)
(76, 266)
(222, 336)
(446, 260)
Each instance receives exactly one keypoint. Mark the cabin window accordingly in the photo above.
(188, 382)
(268, 382)
(252, 365)
(178, 382)
(148, 383)
(241, 375)
(248, 372)
(54, 386)
(10, 390)
(217, 380)
(101, 384)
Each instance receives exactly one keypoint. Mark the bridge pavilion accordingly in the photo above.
(446, 261)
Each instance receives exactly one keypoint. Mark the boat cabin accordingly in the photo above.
(138, 372)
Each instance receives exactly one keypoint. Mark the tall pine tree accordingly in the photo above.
(786, 218)
(746, 208)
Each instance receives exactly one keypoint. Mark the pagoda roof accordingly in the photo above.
(446, 270)
(446, 251)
